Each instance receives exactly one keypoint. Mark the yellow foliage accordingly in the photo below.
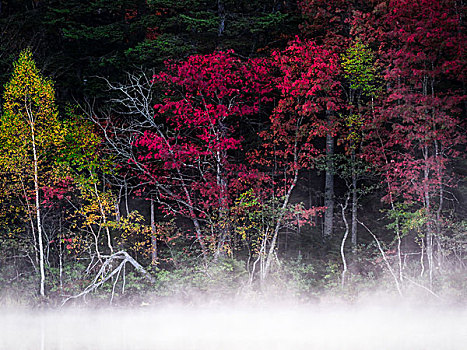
(29, 122)
(29, 112)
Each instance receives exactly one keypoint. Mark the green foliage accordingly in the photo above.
(203, 26)
(31, 135)
(407, 219)
(205, 22)
(347, 167)
(300, 277)
(29, 98)
(190, 279)
(73, 278)
(354, 123)
(269, 21)
(361, 73)
(82, 152)
(254, 220)
(360, 70)
(454, 243)
(163, 47)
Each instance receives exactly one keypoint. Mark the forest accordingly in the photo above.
(159, 149)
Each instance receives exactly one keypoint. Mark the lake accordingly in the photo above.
(219, 326)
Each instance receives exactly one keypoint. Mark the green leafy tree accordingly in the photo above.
(88, 168)
(30, 138)
(363, 84)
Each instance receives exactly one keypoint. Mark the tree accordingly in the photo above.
(93, 37)
(324, 23)
(309, 89)
(335, 26)
(328, 23)
(415, 131)
(362, 87)
(310, 99)
(88, 167)
(76, 40)
(30, 137)
(201, 26)
(182, 156)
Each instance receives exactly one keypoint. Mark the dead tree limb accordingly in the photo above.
(104, 275)
(384, 257)
(423, 287)
(346, 234)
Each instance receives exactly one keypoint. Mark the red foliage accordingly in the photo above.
(188, 158)
(310, 89)
(152, 33)
(415, 131)
(333, 23)
(52, 195)
(130, 14)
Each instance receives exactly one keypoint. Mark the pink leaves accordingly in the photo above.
(300, 216)
(309, 70)
(310, 87)
(189, 155)
(58, 191)
(219, 77)
(414, 131)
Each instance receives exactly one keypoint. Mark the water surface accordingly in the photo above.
(237, 327)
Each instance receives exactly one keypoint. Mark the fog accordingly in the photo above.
(238, 326)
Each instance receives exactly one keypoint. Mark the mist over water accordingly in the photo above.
(238, 326)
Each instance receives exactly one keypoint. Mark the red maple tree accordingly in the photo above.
(415, 130)
(187, 156)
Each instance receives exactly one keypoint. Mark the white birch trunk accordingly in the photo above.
(38, 207)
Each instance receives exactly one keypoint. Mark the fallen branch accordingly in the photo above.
(103, 275)
(384, 257)
(423, 287)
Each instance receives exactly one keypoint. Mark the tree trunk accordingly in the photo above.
(429, 229)
(329, 187)
(272, 248)
(398, 286)
(346, 233)
(38, 213)
(199, 237)
(153, 236)
(440, 205)
(104, 218)
(221, 14)
(126, 198)
(398, 231)
(354, 204)
(223, 229)
(118, 214)
(32, 224)
(194, 219)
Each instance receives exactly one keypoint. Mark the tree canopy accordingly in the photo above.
(232, 144)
